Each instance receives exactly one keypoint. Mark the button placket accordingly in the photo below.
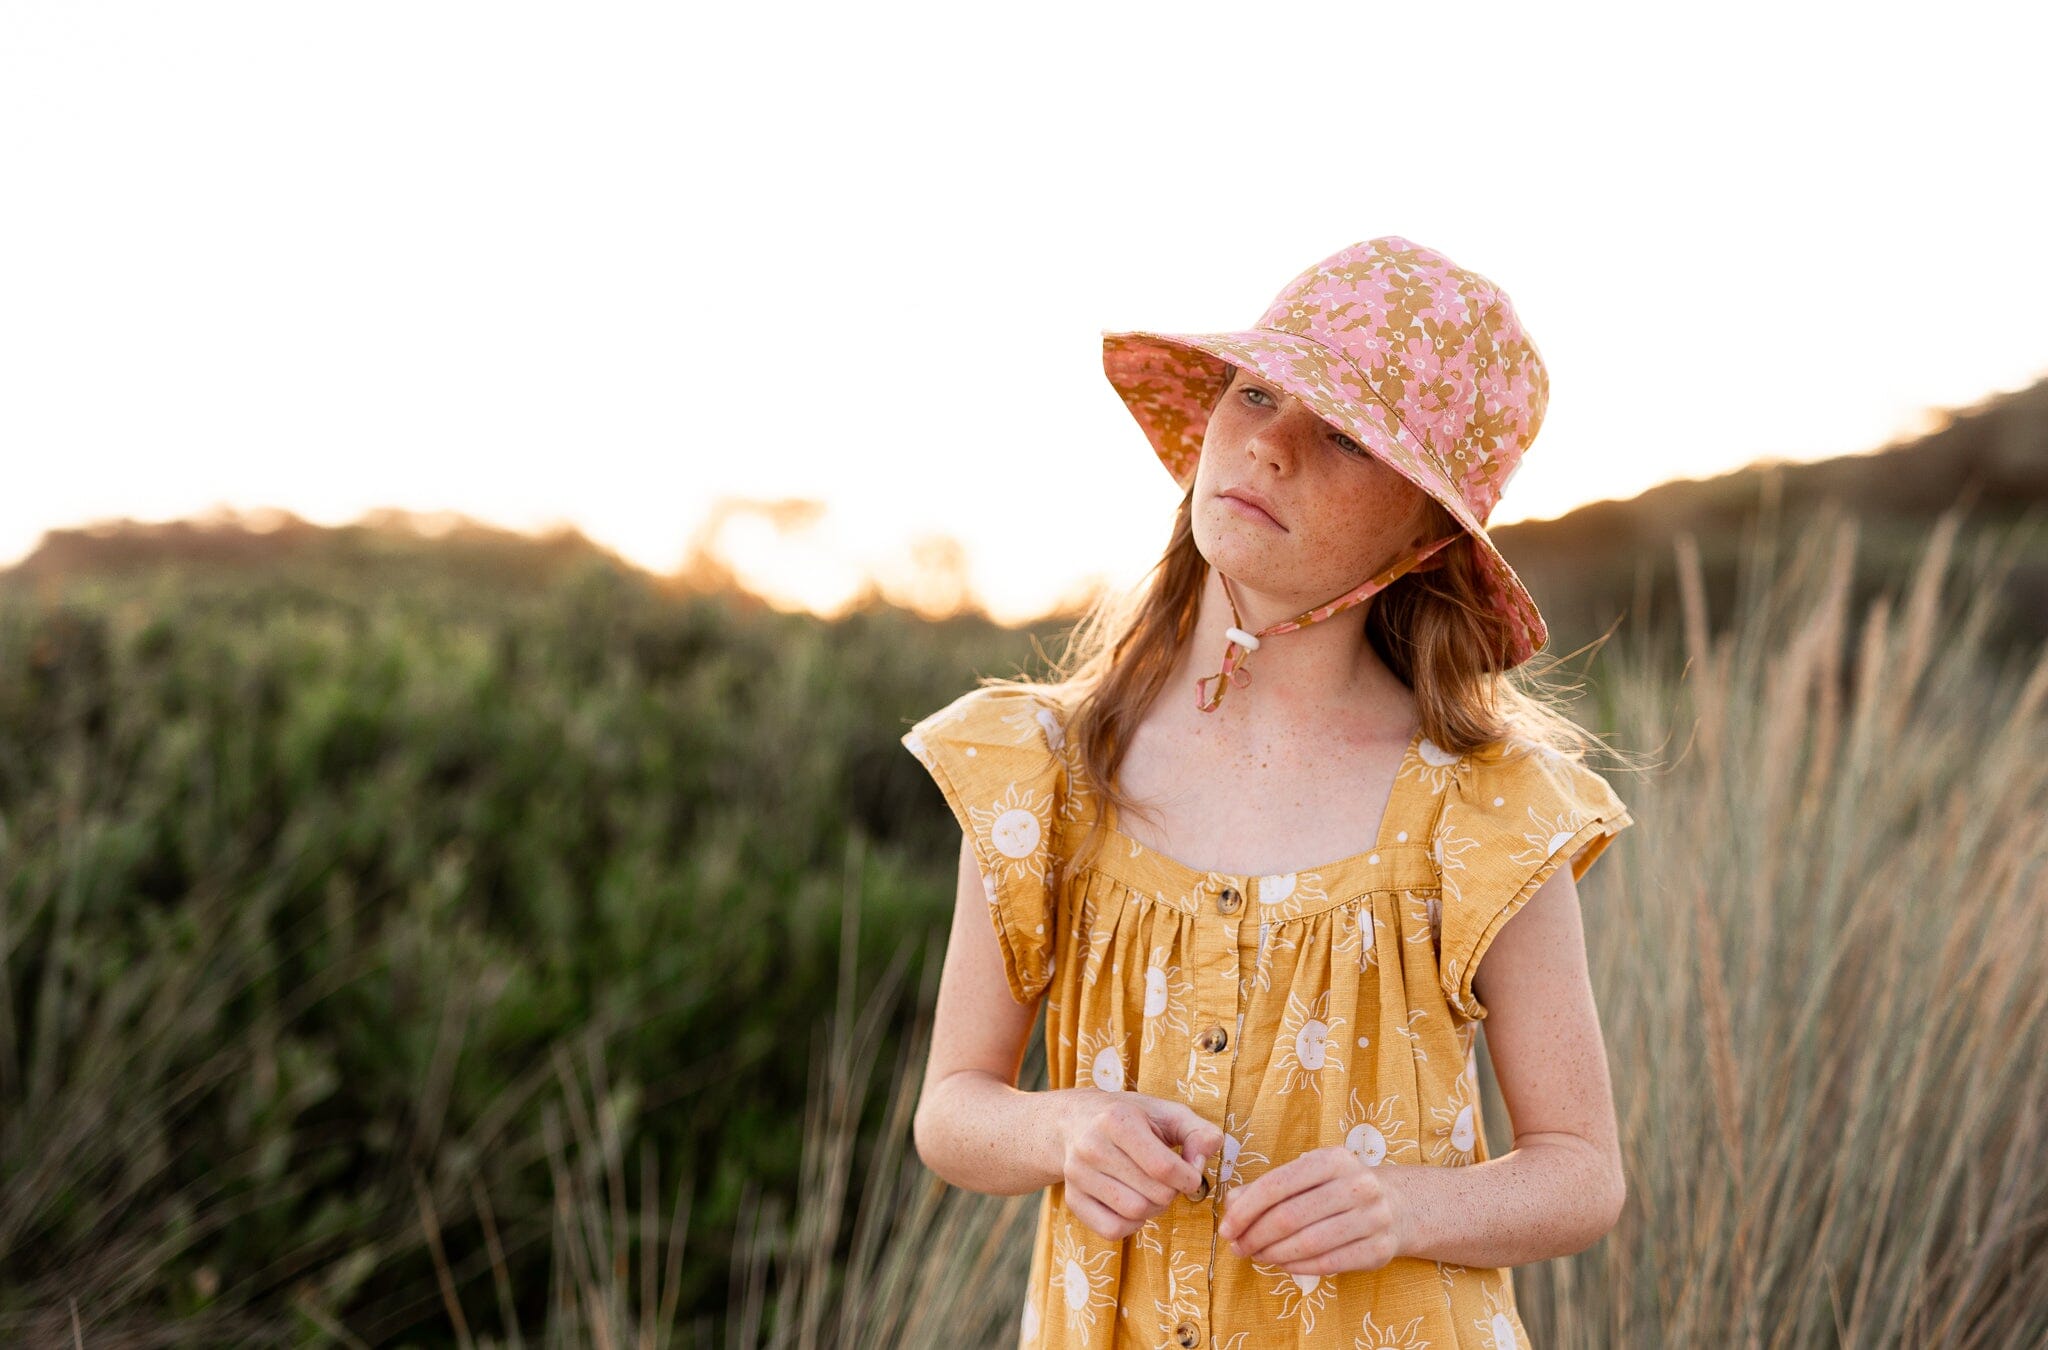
(1228, 898)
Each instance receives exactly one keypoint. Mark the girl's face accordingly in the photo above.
(1339, 513)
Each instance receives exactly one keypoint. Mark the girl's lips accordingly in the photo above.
(1248, 509)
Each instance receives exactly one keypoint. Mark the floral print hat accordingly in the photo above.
(1419, 360)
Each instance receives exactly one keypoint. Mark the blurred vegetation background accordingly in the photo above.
(449, 938)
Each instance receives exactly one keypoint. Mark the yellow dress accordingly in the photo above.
(1324, 1007)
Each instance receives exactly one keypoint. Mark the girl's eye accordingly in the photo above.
(1251, 389)
(1350, 445)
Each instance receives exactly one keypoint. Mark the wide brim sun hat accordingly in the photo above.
(1422, 362)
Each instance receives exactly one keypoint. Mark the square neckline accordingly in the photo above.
(1386, 851)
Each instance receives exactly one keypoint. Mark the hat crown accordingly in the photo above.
(1439, 345)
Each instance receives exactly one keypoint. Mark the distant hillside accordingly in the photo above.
(1601, 561)
(1612, 557)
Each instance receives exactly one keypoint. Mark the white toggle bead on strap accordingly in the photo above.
(1242, 639)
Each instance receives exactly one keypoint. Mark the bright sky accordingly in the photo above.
(642, 268)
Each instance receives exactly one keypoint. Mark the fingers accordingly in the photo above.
(1117, 1195)
(1140, 1175)
(1150, 1146)
(1124, 1167)
(1337, 1228)
(1103, 1222)
(1336, 1213)
(1244, 1206)
(1195, 1140)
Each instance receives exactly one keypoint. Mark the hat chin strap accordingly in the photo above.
(1242, 644)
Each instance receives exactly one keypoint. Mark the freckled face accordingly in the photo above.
(1342, 512)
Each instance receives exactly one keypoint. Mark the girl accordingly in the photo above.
(1262, 1126)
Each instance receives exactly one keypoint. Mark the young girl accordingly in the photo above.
(1263, 1123)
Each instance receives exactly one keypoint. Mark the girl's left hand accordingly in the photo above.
(1320, 1213)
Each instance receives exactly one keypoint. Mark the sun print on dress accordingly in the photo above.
(1286, 895)
(1433, 768)
(1104, 1061)
(1183, 1274)
(1204, 1077)
(1453, 1135)
(1095, 929)
(1272, 937)
(1016, 825)
(1302, 1046)
(1167, 993)
(1237, 1155)
(1407, 1336)
(1548, 832)
(1355, 933)
(1410, 1028)
(1497, 1328)
(1082, 1277)
(1373, 1133)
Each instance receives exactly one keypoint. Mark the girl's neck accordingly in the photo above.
(1303, 682)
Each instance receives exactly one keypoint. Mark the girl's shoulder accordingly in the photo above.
(1012, 715)
(1512, 814)
(996, 754)
(1510, 789)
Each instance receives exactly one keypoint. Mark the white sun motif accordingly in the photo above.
(1150, 1236)
(1454, 1126)
(1237, 1134)
(1049, 723)
(1287, 895)
(1095, 929)
(1429, 916)
(1183, 1287)
(1302, 1048)
(1433, 766)
(1500, 1328)
(1082, 1280)
(1374, 1133)
(1103, 1062)
(1167, 993)
(1548, 832)
(1012, 830)
(1356, 933)
(1272, 937)
(1027, 1330)
(1077, 799)
(1408, 1336)
(1449, 846)
(1408, 1027)
(1204, 1076)
(1301, 1296)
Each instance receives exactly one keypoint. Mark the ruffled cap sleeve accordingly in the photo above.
(995, 755)
(1510, 817)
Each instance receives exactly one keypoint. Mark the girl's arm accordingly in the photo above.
(1561, 1188)
(974, 1127)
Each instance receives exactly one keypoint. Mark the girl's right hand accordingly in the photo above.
(1126, 1155)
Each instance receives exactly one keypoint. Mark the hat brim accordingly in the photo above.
(1170, 381)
